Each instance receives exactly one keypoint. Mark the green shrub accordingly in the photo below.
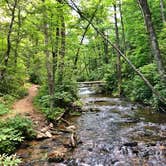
(13, 132)
(11, 160)
(3, 109)
(162, 41)
(8, 100)
(64, 95)
(137, 90)
(155, 102)
(14, 80)
(22, 125)
(111, 80)
(61, 101)
(55, 114)
(21, 92)
(9, 139)
(36, 70)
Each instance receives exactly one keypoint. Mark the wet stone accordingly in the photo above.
(24, 145)
(90, 149)
(130, 144)
(114, 161)
(71, 162)
(44, 147)
(145, 154)
(27, 164)
(56, 157)
(152, 144)
(24, 156)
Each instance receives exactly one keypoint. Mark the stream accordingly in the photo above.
(111, 132)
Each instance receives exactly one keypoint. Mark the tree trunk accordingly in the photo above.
(7, 54)
(55, 54)
(153, 38)
(118, 55)
(62, 43)
(162, 11)
(62, 49)
(17, 38)
(48, 63)
(105, 42)
(123, 29)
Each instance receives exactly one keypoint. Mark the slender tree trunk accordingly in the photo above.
(18, 37)
(48, 63)
(161, 98)
(153, 38)
(63, 47)
(162, 11)
(118, 55)
(105, 42)
(7, 54)
(55, 54)
(123, 28)
(62, 43)
(98, 51)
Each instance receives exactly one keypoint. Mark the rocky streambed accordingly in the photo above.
(110, 131)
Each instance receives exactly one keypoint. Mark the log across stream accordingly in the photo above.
(111, 131)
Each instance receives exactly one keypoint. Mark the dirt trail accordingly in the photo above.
(25, 107)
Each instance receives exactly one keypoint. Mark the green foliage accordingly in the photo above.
(13, 132)
(96, 74)
(162, 42)
(9, 139)
(136, 89)
(63, 97)
(161, 87)
(36, 72)
(111, 80)
(3, 109)
(11, 160)
(7, 100)
(55, 114)
(21, 92)
(34, 78)
(13, 82)
(42, 102)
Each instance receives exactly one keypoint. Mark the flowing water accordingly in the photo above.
(112, 132)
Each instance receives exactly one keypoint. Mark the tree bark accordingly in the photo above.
(123, 28)
(48, 63)
(162, 11)
(7, 54)
(55, 54)
(118, 54)
(17, 38)
(62, 43)
(161, 98)
(63, 47)
(153, 38)
(105, 42)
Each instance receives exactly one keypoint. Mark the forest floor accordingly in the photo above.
(24, 107)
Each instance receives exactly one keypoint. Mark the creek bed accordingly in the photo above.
(112, 131)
